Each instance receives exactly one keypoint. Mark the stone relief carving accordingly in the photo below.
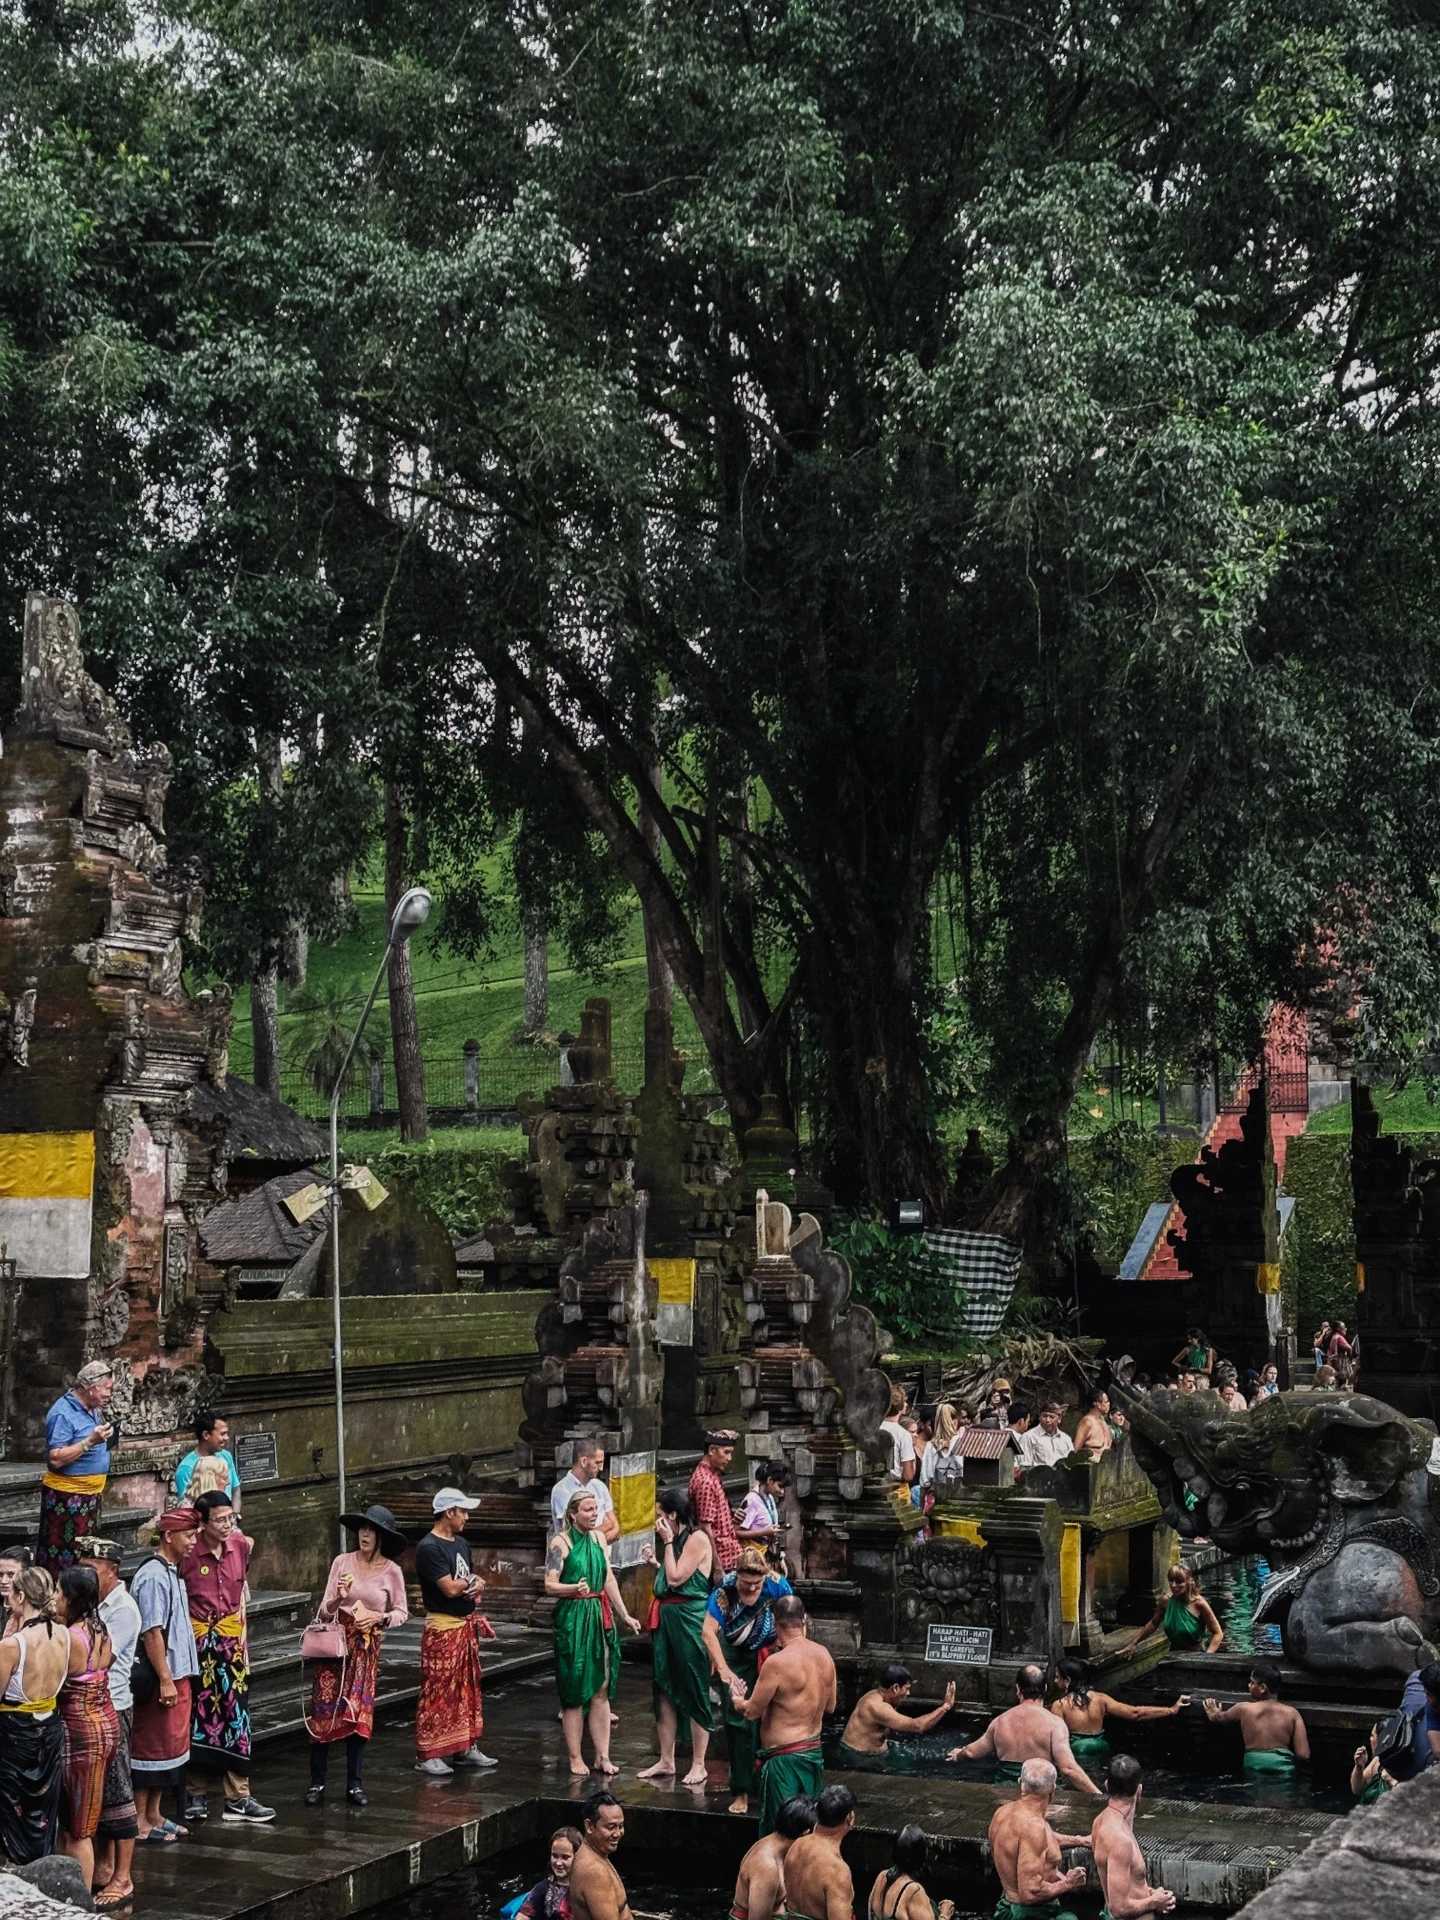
(943, 1580)
(22, 1019)
(113, 1318)
(136, 1026)
(57, 695)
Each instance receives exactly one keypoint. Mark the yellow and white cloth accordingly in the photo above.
(47, 1181)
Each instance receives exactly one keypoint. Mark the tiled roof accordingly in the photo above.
(983, 1443)
(257, 1228)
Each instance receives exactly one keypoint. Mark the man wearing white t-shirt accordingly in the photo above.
(1045, 1445)
(902, 1447)
(589, 1465)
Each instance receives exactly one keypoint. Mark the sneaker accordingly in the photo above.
(437, 1769)
(197, 1807)
(248, 1809)
(357, 1796)
(314, 1795)
(474, 1758)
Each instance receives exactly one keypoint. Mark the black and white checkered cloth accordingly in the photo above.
(981, 1268)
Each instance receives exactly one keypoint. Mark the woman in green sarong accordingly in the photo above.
(1186, 1618)
(587, 1634)
(1085, 1713)
(677, 1627)
(739, 1634)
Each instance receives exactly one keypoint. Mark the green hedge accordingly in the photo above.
(1114, 1177)
(1321, 1240)
(462, 1185)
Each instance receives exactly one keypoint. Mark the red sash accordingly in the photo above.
(658, 1600)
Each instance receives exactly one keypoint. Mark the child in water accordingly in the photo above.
(550, 1900)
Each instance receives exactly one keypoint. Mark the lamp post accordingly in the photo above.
(411, 912)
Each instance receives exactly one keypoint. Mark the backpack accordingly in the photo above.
(1395, 1737)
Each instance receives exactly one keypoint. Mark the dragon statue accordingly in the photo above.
(1338, 1492)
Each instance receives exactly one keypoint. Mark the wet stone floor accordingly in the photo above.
(450, 1845)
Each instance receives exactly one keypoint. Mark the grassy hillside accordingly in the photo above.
(1411, 1110)
(457, 1000)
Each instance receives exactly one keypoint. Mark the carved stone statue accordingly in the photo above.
(57, 695)
(1336, 1490)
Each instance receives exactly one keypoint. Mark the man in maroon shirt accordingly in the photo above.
(708, 1498)
(214, 1572)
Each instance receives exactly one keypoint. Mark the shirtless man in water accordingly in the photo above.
(1118, 1859)
(760, 1883)
(596, 1890)
(1274, 1734)
(878, 1713)
(1028, 1731)
(817, 1881)
(795, 1691)
(1026, 1849)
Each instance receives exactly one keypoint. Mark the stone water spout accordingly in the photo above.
(1339, 1494)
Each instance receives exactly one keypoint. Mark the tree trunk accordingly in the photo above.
(534, 922)
(878, 1140)
(295, 955)
(404, 1021)
(265, 1022)
(659, 979)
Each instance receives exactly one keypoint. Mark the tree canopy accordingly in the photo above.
(940, 440)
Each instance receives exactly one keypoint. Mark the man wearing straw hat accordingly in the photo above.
(77, 1463)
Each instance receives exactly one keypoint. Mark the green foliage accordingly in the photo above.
(461, 1184)
(999, 440)
(896, 1278)
(1321, 1238)
(1116, 1174)
(1412, 1108)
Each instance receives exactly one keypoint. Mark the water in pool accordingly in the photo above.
(658, 1893)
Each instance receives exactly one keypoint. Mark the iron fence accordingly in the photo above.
(461, 1087)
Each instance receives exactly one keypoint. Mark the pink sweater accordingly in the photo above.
(380, 1587)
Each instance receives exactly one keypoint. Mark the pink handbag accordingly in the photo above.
(323, 1640)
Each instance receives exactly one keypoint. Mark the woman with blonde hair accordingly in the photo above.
(739, 1631)
(1186, 1618)
(947, 1430)
(587, 1640)
(33, 1663)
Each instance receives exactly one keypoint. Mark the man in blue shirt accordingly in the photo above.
(1422, 1698)
(209, 1467)
(77, 1461)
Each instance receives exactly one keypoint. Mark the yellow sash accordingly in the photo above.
(27, 1706)
(73, 1482)
(232, 1625)
(446, 1622)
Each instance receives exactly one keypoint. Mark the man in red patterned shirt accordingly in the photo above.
(707, 1497)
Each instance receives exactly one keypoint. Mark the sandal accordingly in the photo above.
(102, 1905)
(157, 1837)
(175, 1830)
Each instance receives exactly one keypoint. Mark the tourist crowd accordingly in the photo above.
(110, 1697)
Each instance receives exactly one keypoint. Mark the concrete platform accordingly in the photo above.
(333, 1861)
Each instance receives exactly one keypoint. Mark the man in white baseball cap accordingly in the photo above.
(450, 1717)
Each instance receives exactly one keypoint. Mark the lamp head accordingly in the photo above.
(412, 912)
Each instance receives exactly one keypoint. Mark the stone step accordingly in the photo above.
(280, 1685)
(20, 1520)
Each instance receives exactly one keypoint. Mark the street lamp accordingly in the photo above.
(412, 912)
